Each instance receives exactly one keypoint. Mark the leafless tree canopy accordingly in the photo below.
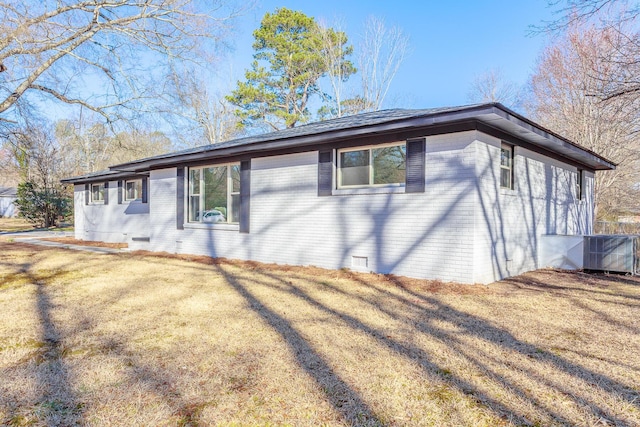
(198, 114)
(380, 55)
(570, 13)
(91, 52)
(493, 86)
(566, 89)
(621, 16)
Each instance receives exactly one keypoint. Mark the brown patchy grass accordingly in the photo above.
(14, 224)
(135, 339)
(73, 241)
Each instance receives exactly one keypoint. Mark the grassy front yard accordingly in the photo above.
(14, 224)
(132, 339)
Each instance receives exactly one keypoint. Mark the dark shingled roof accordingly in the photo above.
(316, 134)
(341, 123)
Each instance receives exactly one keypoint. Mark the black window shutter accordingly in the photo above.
(245, 192)
(120, 192)
(180, 199)
(415, 166)
(106, 193)
(145, 191)
(325, 173)
(87, 189)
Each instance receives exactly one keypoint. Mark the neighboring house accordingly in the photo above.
(458, 194)
(7, 197)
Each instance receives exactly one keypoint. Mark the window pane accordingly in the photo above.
(194, 181)
(194, 208)
(97, 191)
(215, 189)
(389, 165)
(133, 190)
(505, 178)
(354, 167)
(235, 208)
(235, 177)
(505, 157)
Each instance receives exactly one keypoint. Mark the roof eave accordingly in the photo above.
(107, 176)
(534, 133)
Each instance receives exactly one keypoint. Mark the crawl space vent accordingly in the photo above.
(359, 262)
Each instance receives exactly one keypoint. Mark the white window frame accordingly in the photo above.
(126, 193)
(201, 194)
(510, 148)
(370, 148)
(93, 199)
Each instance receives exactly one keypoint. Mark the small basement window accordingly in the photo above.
(97, 193)
(375, 166)
(506, 166)
(133, 190)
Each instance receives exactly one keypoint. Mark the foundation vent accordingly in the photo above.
(359, 262)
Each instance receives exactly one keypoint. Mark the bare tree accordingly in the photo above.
(493, 86)
(570, 13)
(199, 115)
(334, 50)
(87, 145)
(620, 16)
(565, 87)
(91, 52)
(380, 54)
(41, 198)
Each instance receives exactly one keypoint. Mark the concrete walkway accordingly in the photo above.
(36, 233)
(33, 238)
(94, 249)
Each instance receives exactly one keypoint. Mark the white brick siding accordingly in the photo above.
(509, 223)
(113, 222)
(419, 234)
(463, 228)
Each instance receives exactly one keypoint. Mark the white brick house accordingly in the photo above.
(459, 194)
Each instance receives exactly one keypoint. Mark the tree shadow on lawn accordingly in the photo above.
(430, 312)
(591, 289)
(339, 393)
(57, 404)
(419, 311)
(591, 284)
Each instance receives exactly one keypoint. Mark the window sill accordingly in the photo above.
(205, 226)
(508, 191)
(369, 190)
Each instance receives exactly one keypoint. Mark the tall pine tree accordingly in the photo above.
(290, 57)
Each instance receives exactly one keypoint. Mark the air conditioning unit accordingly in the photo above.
(614, 253)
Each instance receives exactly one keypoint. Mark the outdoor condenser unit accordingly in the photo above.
(612, 253)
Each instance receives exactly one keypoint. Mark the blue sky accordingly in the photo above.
(452, 41)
